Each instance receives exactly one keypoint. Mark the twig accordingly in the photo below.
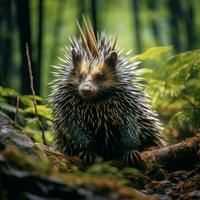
(17, 109)
(33, 93)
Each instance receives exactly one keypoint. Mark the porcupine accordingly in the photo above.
(98, 103)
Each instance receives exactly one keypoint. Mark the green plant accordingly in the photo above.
(23, 112)
(174, 86)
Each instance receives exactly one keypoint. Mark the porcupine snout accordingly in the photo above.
(87, 90)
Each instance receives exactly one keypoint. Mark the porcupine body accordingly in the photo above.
(98, 104)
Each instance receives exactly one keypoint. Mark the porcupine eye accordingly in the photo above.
(100, 78)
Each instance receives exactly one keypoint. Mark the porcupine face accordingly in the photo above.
(95, 77)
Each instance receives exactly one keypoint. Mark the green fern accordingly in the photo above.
(174, 86)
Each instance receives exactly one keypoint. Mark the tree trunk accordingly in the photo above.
(94, 15)
(23, 17)
(189, 24)
(6, 42)
(57, 28)
(81, 12)
(154, 22)
(136, 19)
(175, 13)
(39, 46)
(61, 7)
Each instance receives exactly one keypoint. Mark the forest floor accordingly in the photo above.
(33, 171)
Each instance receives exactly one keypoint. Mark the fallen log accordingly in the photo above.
(181, 155)
(176, 156)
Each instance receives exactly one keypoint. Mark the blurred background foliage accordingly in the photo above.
(163, 33)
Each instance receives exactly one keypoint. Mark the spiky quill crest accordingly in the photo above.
(115, 124)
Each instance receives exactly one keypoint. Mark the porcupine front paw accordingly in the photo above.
(132, 158)
(87, 156)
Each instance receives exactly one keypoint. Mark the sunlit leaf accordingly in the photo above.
(28, 99)
(9, 108)
(154, 52)
(8, 92)
(43, 111)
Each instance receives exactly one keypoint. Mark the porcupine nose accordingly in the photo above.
(86, 91)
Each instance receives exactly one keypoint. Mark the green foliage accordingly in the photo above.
(100, 169)
(25, 114)
(174, 87)
(154, 52)
(41, 109)
(7, 92)
(7, 107)
(28, 99)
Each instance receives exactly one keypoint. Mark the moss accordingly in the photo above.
(18, 159)
(101, 178)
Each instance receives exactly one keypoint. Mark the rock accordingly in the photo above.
(27, 185)
(10, 134)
